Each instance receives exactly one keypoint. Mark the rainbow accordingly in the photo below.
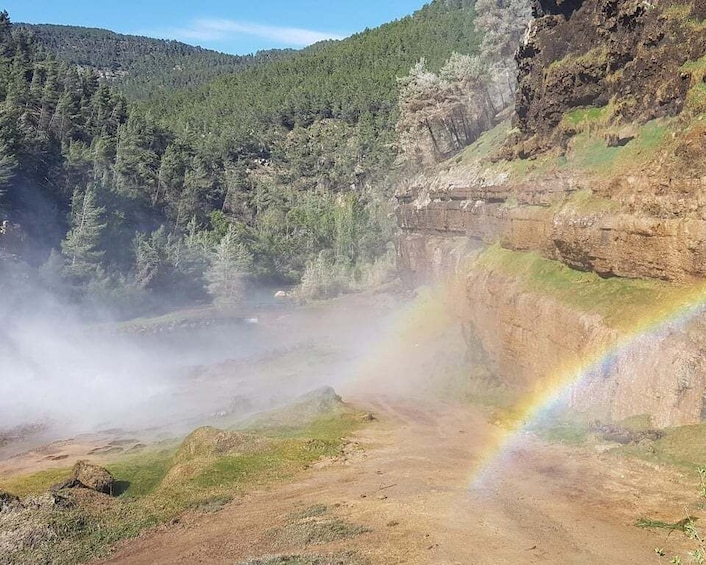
(427, 315)
(666, 318)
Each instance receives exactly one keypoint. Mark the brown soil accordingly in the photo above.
(406, 475)
(409, 483)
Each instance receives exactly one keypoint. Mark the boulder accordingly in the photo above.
(87, 475)
(94, 477)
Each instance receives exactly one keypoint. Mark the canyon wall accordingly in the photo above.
(639, 217)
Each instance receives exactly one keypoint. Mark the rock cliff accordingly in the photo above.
(629, 54)
(603, 170)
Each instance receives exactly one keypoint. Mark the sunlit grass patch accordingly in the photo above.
(489, 142)
(586, 119)
(620, 302)
(568, 431)
(637, 423)
(696, 98)
(319, 414)
(316, 531)
(34, 483)
(594, 57)
(141, 474)
(161, 484)
(590, 151)
(314, 525)
(684, 446)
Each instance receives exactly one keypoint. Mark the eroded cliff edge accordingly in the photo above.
(582, 222)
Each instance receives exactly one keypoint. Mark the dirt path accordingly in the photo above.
(408, 481)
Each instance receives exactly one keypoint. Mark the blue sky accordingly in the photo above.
(238, 26)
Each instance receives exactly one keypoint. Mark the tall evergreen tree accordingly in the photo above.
(502, 24)
(230, 264)
(81, 248)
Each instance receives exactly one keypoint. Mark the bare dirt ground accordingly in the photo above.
(407, 480)
(407, 475)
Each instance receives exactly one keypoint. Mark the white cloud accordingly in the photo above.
(221, 29)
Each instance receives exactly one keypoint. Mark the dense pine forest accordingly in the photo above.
(280, 173)
(141, 66)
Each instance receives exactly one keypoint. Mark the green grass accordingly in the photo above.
(588, 150)
(314, 526)
(563, 431)
(594, 57)
(162, 485)
(682, 447)
(328, 428)
(620, 302)
(697, 69)
(35, 483)
(485, 145)
(230, 470)
(316, 532)
(186, 317)
(677, 12)
(680, 526)
(582, 118)
(312, 511)
(319, 415)
(581, 115)
(696, 98)
(143, 472)
(638, 423)
(591, 153)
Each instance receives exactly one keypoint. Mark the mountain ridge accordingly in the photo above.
(138, 64)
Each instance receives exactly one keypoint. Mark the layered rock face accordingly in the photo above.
(527, 338)
(643, 222)
(550, 216)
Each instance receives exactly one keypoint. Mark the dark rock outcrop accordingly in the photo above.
(87, 475)
(595, 52)
(566, 8)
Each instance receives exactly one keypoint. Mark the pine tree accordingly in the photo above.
(8, 164)
(81, 246)
(502, 24)
(230, 264)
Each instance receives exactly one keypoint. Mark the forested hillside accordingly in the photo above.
(141, 66)
(278, 173)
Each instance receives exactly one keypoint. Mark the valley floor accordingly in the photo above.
(407, 479)
(402, 490)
